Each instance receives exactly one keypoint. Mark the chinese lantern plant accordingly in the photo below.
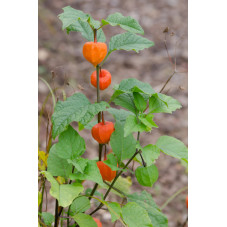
(122, 134)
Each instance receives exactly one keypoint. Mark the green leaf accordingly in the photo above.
(126, 100)
(128, 41)
(76, 108)
(139, 101)
(84, 220)
(112, 162)
(119, 115)
(115, 210)
(91, 172)
(58, 166)
(79, 163)
(76, 20)
(134, 215)
(147, 119)
(150, 154)
(70, 16)
(127, 23)
(64, 193)
(123, 184)
(132, 125)
(79, 205)
(123, 147)
(160, 103)
(70, 145)
(145, 200)
(94, 23)
(132, 85)
(48, 218)
(147, 176)
(84, 28)
(89, 126)
(173, 147)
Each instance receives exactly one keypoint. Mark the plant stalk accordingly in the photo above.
(41, 204)
(98, 69)
(68, 216)
(118, 174)
(98, 90)
(173, 197)
(116, 189)
(95, 35)
(56, 214)
(144, 163)
(113, 182)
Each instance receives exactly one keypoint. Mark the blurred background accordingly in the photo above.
(62, 54)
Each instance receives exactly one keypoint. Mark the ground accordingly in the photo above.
(62, 54)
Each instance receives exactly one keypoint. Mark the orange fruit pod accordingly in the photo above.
(104, 79)
(99, 224)
(186, 201)
(102, 131)
(106, 172)
(94, 52)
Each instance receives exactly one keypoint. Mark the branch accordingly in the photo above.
(113, 182)
(117, 190)
(141, 156)
(172, 197)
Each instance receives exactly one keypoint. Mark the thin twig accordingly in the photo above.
(167, 82)
(93, 191)
(117, 190)
(170, 59)
(173, 197)
(141, 156)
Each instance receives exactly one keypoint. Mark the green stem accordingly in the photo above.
(98, 90)
(41, 204)
(172, 197)
(98, 69)
(104, 59)
(101, 26)
(51, 91)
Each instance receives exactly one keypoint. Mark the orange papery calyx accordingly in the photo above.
(98, 222)
(94, 52)
(104, 79)
(102, 131)
(106, 172)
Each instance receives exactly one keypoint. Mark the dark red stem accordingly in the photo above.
(103, 121)
(95, 34)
